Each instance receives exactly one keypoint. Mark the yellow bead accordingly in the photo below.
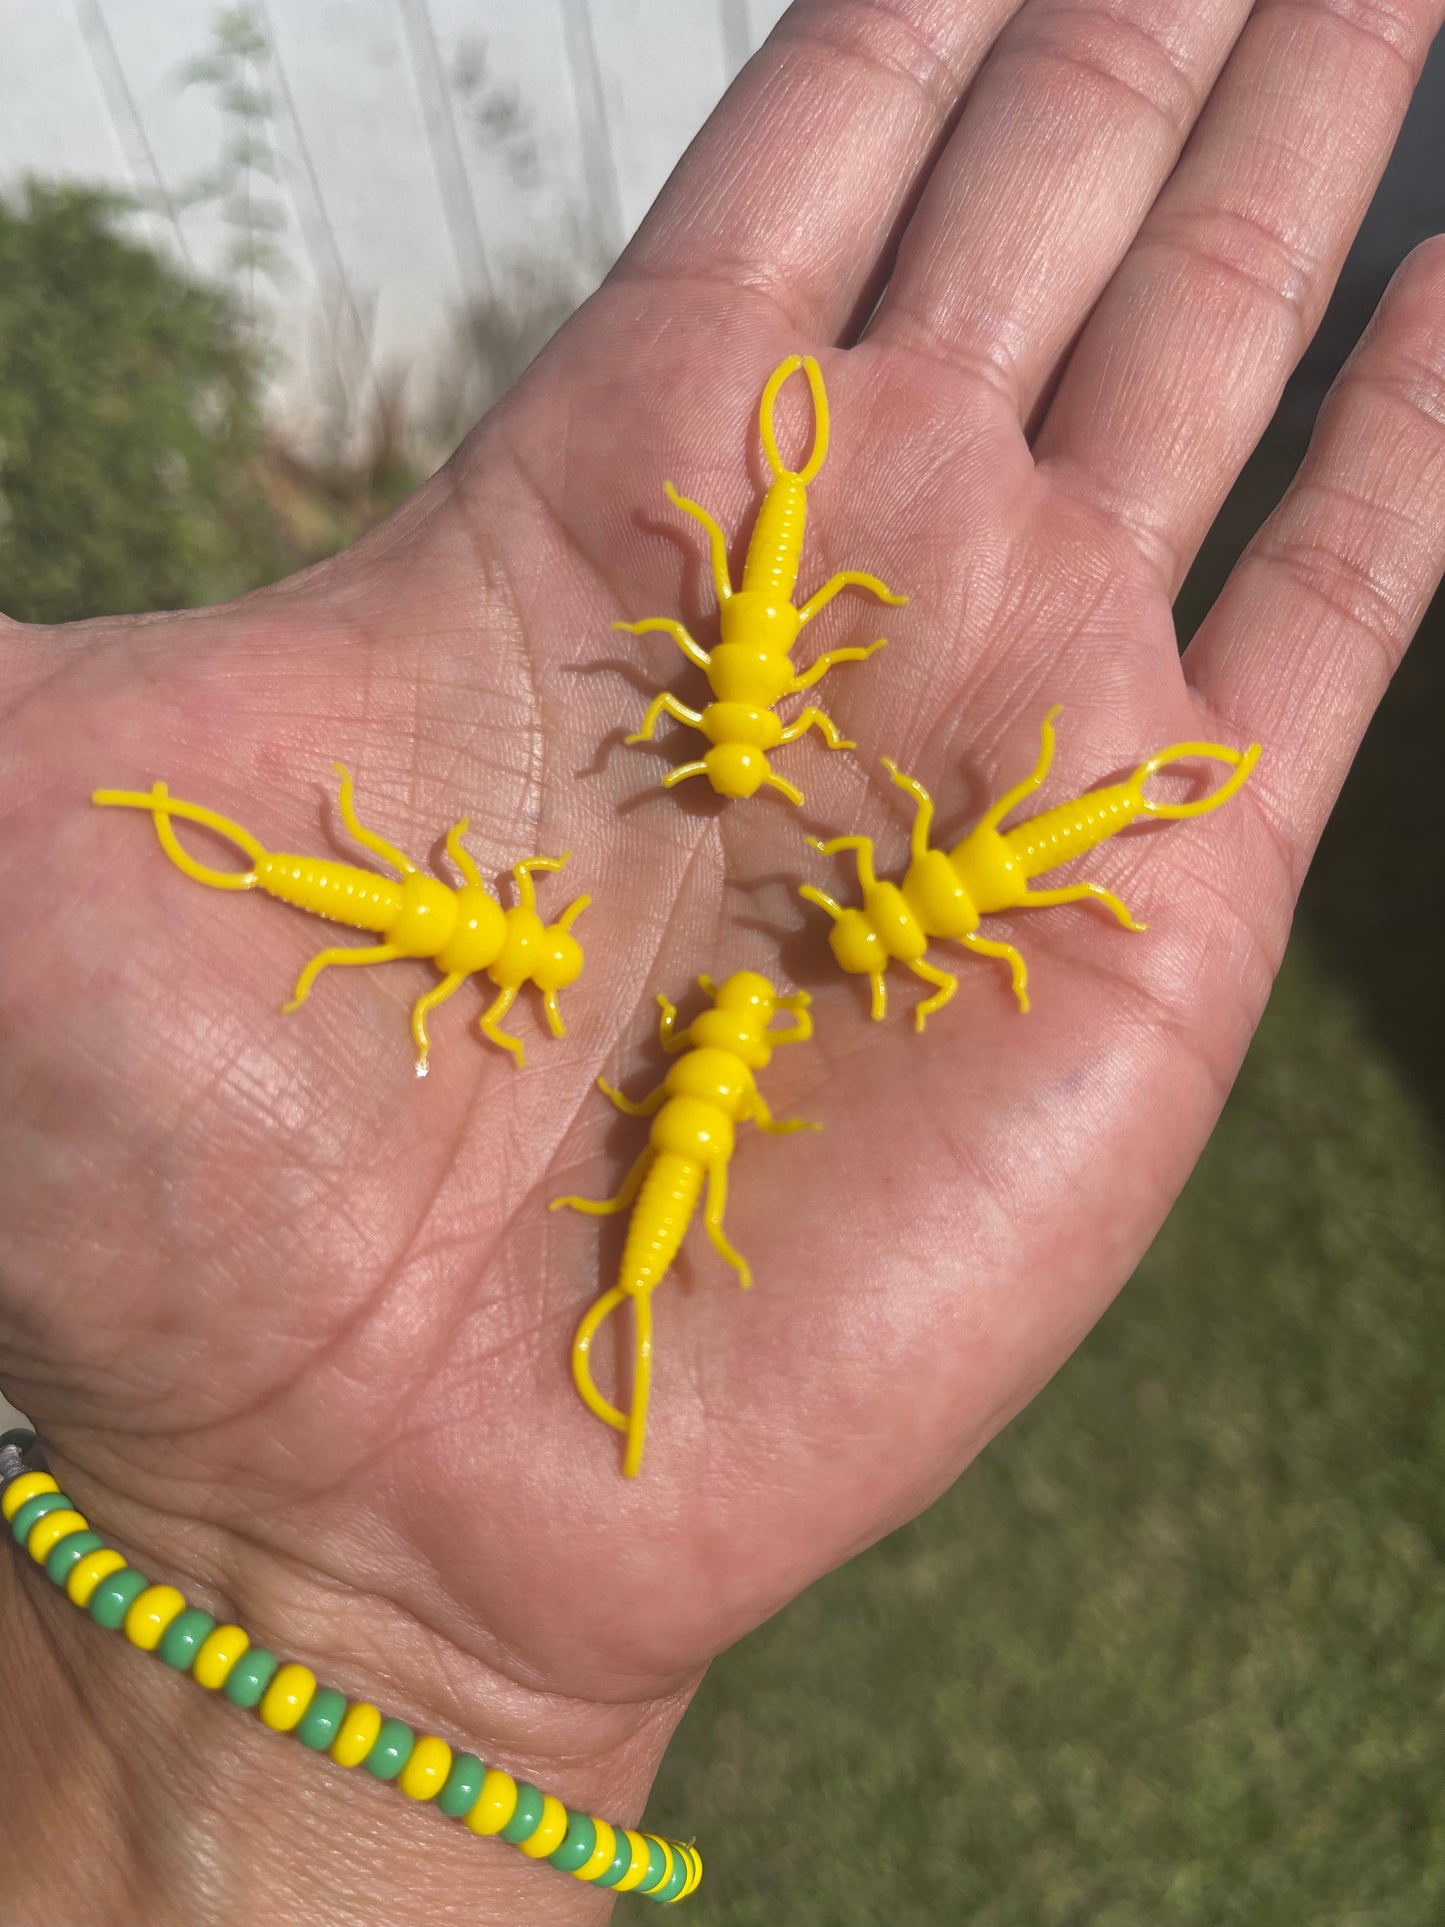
(641, 1859)
(426, 1770)
(220, 1649)
(496, 1803)
(551, 1829)
(694, 1874)
(286, 1699)
(357, 1735)
(28, 1486)
(601, 1854)
(150, 1613)
(47, 1533)
(87, 1573)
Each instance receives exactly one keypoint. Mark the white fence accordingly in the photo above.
(379, 165)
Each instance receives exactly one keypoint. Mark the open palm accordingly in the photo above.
(296, 1320)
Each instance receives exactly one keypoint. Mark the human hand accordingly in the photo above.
(295, 1325)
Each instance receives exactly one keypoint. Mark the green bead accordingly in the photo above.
(656, 1867)
(34, 1509)
(20, 1436)
(322, 1719)
(621, 1861)
(183, 1638)
(390, 1750)
(114, 1597)
(675, 1881)
(528, 1816)
(464, 1784)
(248, 1679)
(65, 1552)
(578, 1845)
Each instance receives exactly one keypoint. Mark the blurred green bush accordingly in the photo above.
(130, 428)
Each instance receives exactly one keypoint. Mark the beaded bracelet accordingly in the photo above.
(157, 1619)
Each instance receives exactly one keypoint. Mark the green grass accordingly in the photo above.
(1171, 1654)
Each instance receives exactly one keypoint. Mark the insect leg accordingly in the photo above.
(522, 872)
(1012, 798)
(848, 579)
(493, 1016)
(717, 1198)
(694, 651)
(822, 899)
(790, 790)
(923, 815)
(1076, 893)
(683, 771)
(368, 839)
(778, 1126)
(815, 671)
(812, 718)
(634, 1107)
(422, 1009)
(666, 1034)
(1017, 967)
(801, 1029)
(717, 542)
(608, 1207)
(574, 910)
(864, 847)
(370, 954)
(462, 856)
(665, 703)
(947, 985)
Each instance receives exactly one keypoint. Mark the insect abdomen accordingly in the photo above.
(1063, 833)
(777, 540)
(328, 888)
(660, 1217)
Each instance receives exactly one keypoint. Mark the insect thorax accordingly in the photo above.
(891, 915)
(427, 916)
(989, 870)
(478, 934)
(716, 1077)
(760, 626)
(726, 722)
(691, 1127)
(938, 898)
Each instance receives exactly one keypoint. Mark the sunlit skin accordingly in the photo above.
(297, 1323)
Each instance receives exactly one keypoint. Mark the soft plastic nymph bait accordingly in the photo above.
(461, 931)
(947, 893)
(750, 669)
(694, 1110)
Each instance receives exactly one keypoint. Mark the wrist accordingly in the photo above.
(136, 1793)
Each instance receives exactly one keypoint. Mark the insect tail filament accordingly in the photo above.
(163, 806)
(1068, 830)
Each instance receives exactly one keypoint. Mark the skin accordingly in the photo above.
(295, 1325)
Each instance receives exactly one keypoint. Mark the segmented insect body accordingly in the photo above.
(462, 930)
(947, 894)
(750, 670)
(706, 1094)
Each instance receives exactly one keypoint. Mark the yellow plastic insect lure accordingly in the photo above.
(461, 931)
(946, 893)
(750, 669)
(695, 1110)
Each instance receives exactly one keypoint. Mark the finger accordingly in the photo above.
(796, 185)
(1314, 620)
(1067, 137)
(1183, 361)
